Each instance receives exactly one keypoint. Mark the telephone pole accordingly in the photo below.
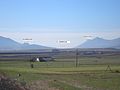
(77, 57)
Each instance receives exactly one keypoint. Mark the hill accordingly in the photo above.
(101, 43)
(9, 44)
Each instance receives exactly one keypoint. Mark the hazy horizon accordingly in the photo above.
(47, 22)
(57, 40)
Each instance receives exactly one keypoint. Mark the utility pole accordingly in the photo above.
(77, 57)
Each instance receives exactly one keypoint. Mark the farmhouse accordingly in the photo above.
(42, 59)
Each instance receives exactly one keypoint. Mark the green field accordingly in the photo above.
(62, 74)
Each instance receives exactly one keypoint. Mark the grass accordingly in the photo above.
(63, 86)
(65, 76)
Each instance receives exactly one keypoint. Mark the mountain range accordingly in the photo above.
(9, 44)
(101, 43)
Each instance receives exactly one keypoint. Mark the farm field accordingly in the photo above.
(62, 74)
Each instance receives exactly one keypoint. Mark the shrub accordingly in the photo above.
(9, 84)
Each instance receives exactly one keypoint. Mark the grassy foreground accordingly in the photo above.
(63, 76)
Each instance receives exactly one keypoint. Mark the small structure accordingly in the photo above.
(42, 59)
(108, 68)
(37, 59)
(45, 59)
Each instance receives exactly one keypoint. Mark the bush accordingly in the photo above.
(117, 71)
(9, 84)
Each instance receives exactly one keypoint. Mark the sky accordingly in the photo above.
(48, 22)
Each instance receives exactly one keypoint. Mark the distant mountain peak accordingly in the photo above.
(96, 38)
(9, 44)
(100, 43)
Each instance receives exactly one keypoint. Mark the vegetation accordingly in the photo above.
(10, 84)
(63, 75)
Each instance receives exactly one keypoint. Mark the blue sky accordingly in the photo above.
(59, 16)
